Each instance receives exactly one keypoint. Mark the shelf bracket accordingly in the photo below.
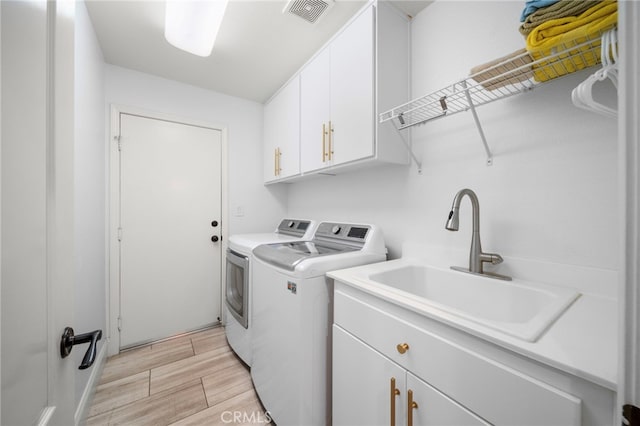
(406, 144)
(475, 118)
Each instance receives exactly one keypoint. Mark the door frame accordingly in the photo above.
(629, 207)
(113, 252)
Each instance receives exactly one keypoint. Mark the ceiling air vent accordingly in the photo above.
(309, 10)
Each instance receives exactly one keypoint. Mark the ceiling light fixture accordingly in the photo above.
(193, 25)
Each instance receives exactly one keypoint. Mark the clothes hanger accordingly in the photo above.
(582, 95)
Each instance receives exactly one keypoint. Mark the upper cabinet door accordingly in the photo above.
(315, 112)
(352, 90)
(282, 133)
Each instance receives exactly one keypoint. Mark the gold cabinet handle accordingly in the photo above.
(402, 347)
(330, 150)
(275, 162)
(324, 142)
(279, 158)
(411, 405)
(394, 391)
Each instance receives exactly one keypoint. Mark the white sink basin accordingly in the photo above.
(519, 308)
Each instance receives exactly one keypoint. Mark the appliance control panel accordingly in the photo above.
(342, 232)
(294, 227)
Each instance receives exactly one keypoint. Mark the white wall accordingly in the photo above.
(89, 179)
(262, 206)
(551, 193)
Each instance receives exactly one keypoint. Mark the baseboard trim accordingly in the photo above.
(46, 415)
(87, 396)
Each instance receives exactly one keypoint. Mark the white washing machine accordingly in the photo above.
(292, 313)
(238, 299)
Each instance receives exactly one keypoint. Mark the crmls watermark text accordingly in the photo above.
(255, 417)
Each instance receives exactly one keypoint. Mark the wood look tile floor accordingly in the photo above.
(194, 379)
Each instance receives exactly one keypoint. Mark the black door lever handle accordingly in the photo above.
(69, 340)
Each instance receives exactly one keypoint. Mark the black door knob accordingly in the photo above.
(215, 238)
(214, 223)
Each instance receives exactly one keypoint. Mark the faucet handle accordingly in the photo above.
(492, 258)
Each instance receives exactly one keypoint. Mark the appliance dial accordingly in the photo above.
(336, 229)
(290, 224)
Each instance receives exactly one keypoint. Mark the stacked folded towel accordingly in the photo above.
(566, 32)
(533, 5)
(572, 27)
(560, 9)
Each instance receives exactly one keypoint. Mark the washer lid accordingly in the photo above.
(288, 255)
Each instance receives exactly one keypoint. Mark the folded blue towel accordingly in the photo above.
(533, 5)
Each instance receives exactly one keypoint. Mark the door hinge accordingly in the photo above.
(119, 234)
(119, 323)
(117, 138)
(630, 415)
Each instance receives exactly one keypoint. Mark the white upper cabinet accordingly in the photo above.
(337, 93)
(352, 91)
(282, 133)
(363, 70)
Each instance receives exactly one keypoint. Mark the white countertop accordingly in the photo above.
(582, 341)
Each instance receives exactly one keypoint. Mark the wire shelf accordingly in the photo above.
(505, 77)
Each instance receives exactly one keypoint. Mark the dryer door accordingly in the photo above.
(237, 292)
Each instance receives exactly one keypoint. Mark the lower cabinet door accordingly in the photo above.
(367, 387)
(428, 406)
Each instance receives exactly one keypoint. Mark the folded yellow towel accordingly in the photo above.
(564, 33)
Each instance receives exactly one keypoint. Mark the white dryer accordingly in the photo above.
(292, 313)
(238, 299)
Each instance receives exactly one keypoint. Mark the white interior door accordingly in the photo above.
(37, 202)
(170, 196)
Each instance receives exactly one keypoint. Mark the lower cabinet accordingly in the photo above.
(393, 367)
(370, 389)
